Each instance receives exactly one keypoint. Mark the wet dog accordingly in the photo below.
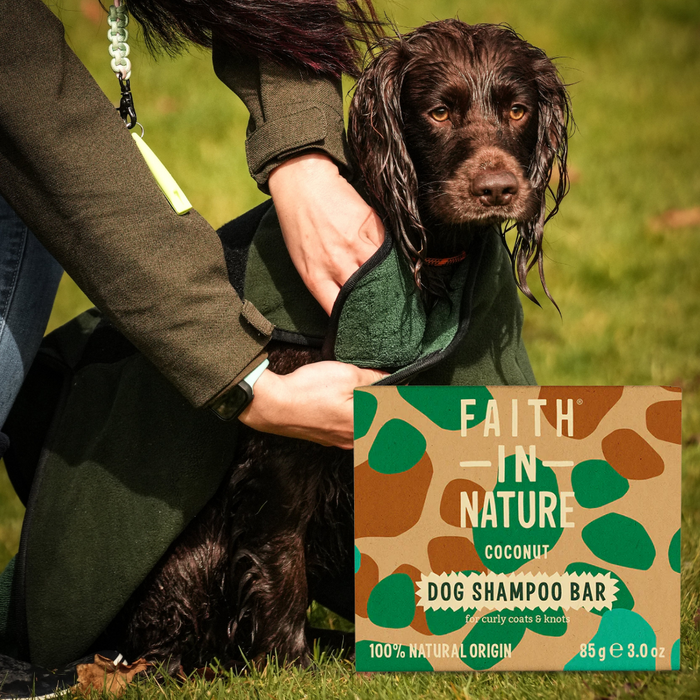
(455, 129)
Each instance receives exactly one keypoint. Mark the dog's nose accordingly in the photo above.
(494, 188)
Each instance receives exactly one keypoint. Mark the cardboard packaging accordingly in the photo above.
(517, 528)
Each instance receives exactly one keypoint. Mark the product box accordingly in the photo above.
(517, 528)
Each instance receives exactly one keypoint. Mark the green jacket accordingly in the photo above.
(121, 462)
(160, 277)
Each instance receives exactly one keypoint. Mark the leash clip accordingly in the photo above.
(126, 105)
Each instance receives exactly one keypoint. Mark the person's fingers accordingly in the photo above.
(372, 232)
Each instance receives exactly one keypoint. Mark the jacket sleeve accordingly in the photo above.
(292, 111)
(71, 171)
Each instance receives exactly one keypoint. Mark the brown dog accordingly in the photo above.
(455, 128)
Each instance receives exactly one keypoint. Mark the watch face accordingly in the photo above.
(232, 404)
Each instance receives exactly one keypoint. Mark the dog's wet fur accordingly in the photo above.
(455, 128)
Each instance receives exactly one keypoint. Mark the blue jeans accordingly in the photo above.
(29, 277)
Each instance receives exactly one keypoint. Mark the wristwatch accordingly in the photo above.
(232, 404)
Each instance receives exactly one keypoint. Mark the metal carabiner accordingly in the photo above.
(126, 105)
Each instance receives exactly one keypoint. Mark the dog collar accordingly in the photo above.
(439, 262)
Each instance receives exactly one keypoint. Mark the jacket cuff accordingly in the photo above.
(292, 111)
(256, 332)
(221, 405)
(313, 128)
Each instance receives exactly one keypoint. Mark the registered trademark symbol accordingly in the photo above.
(579, 401)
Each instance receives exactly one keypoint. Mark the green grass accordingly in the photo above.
(629, 294)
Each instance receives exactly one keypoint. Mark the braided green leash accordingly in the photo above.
(119, 37)
(119, 49)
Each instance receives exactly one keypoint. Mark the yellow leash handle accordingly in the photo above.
(177, 198)
(119, 49)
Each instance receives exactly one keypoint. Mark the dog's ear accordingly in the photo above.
(554, 120)
(376, 140)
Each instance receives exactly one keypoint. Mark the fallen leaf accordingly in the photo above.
(106, 677)
(676, 218)
(207, 673)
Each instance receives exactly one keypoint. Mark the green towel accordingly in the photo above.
(378, 320)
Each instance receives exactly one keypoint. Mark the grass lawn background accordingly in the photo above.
(625, 277)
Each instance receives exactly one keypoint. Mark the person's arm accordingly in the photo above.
(296, 150)
(313, 403)
(70, 169)
(328, 228)
(292, 110)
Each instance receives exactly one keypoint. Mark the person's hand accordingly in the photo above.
(328, 228)
(312, 403)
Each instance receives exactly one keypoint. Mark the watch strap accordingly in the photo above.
(232, 404)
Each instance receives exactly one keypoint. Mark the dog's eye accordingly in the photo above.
(517, 112)
(440, 114)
